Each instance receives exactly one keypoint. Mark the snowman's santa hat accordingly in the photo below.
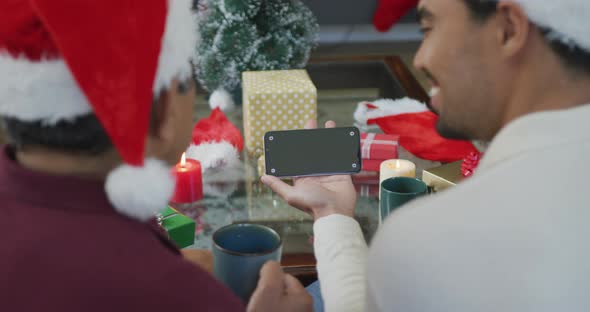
(217, 143)
(62, 59)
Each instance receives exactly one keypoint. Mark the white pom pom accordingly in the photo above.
(222, 99)
(140, 192)
(214, 155)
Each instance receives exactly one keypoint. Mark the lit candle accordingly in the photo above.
(189, 181)
(396, 168)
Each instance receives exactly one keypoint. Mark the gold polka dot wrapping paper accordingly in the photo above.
(275, 100)
(261, 166)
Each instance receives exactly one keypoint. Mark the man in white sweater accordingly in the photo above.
(514, 236)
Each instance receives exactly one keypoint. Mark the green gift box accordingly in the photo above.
(180, 228)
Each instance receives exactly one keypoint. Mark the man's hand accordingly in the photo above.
(200, 257)
(318, 196)
(277, 291)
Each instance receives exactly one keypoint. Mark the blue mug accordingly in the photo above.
(239, 252)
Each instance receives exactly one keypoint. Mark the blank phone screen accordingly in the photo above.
(312, 152)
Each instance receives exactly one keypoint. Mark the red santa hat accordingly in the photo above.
(60, 59)
(217, 143)
(416, 127)
(390, 12)
(567, 19)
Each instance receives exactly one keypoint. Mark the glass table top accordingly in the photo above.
(237, 195)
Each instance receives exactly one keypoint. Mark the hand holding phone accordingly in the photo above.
(319, 196)
(312, 152)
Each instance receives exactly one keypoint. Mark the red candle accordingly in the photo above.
(189, 181)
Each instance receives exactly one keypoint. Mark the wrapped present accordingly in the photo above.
(275, 100)
(367, 190)
(372, 165)
(366, 177)
(366, 183)
(379, 146)
(180, 228)
(442, 177)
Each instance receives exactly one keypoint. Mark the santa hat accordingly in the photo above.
(61, 59)
(217, 143)
(416, 127)
(390, 12)
(567, 19)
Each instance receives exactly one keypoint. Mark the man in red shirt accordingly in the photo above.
(96, 98)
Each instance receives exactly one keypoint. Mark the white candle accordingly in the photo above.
(396, 168)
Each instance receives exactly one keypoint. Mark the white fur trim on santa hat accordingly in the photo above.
(46, 90)
(140, 192)
(214, 155)
(178, 44)
(387, 107)
(567, 18)
(222, 99)
(39, 90)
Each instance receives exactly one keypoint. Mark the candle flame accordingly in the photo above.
(183, 160)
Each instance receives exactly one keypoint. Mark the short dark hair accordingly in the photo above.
(572, 56)
(481, 10)
(81, 135)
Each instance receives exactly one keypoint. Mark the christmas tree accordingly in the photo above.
(248, 35)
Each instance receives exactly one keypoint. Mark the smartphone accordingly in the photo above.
(312, 152)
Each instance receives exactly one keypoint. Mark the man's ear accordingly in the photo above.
(514, 28)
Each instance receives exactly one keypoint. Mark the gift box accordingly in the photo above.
(275, 100)
(379, 146)
(372, 165)
(367, 190)
(376, 148)
(366, 183)
(443, 177)
(366, 177)
(180, 228)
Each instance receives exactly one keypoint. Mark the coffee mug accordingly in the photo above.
(239, 252)
(398, 191)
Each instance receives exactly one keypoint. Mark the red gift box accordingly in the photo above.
(367, 190)
(372, 164)
(379, 146)
(366, 177)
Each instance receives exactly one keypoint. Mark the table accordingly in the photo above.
(238, 196)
